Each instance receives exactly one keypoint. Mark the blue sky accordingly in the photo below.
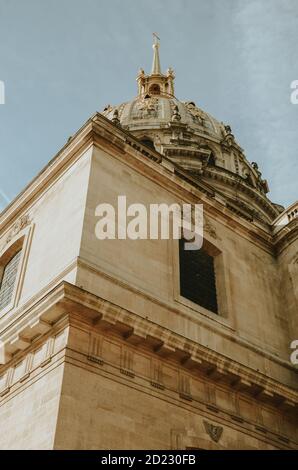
(62, 60)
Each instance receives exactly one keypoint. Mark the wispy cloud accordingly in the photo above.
(267, 41)
(4, 199)
(234, 58)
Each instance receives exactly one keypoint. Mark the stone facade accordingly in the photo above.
(101, 351)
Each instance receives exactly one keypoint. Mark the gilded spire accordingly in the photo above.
(156, 83)
(156, 70)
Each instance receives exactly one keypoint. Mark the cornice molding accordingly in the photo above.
(120, 143)
(233, 180)
(67, 301)
(286, 236)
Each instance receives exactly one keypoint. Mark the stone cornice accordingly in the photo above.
(180, 182)
(286, 235)
(122, 144)
(68, 301)
(233, 180)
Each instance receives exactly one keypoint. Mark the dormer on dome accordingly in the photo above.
(156, 84)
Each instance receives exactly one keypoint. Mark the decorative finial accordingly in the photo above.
(228, 129)
(156, 69)
(115, 118)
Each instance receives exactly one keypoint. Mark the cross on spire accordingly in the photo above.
(155, 38)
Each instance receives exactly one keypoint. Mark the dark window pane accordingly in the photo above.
(197, 277)
(8, 280)
(148, 142)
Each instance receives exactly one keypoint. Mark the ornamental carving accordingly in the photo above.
(228, 138)
(215, 432)
(208, 227)
(107, 109)
(147, 107)
(196, 113)
(262, 184)
(19, 225)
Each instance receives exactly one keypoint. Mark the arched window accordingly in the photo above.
(8, 279)
(197, 277)
(148, 142)
(154, 89)
(212, 161)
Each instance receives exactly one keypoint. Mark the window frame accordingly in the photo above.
(20, 242)
(225, 315)
(5, 266)
(210, 258)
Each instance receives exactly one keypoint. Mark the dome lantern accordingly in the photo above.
(193, 140)
(156, 83)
